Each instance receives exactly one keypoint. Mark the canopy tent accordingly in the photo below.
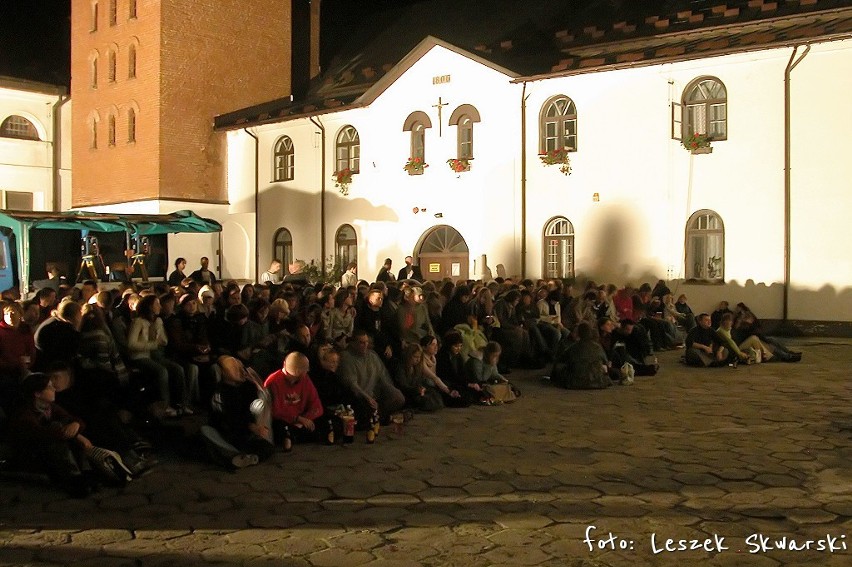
(21, 222)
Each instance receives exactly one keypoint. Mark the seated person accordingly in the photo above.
(583, 365)
(368, 379)
(235, 437)
(701, 345)
(482, 374)
(295, 402)
(46, 438)
(746, 350)
(419, 390)
(746, 325)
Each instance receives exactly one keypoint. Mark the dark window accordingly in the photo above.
(285, 159)
(113, 12)
(132, 9)
(111, 130)
(131, 125)
(131, 62)
(346, 243)
(111, 66)
(18, 127)
(94, 26)
(282, 247)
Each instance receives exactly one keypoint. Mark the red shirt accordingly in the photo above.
(291, 400)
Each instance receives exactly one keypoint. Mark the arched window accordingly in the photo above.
(284, 159)
(282, 247)
(346, 245)
(131, 62)
(93, 131)
(111, 66)
(348, 150)
(93, 71)
(705, 246)
(705, 109)
(18, 127)
(94, 24)
(131, 125)
(111, 130)
(558, 125)
(463, 118)
(416, 123)
(113, 12)
(558, 248)
(132, 9)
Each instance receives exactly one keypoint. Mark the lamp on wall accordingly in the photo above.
(596, 197)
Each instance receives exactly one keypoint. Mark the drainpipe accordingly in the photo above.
(524, 98)
(787, 181)
(256, 206)
(57, 153)
(315, 121)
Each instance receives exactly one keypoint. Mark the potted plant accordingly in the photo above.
(459, 164)
(558, 156)
(415, 166)
(342, 179)
(698, 143)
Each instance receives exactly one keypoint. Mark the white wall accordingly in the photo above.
(27, 165)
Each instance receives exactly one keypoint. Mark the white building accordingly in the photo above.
(637, 206)
(35, 147)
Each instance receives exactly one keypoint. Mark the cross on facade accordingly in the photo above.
(440, 106)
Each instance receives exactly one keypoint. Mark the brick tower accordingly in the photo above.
(148, 76)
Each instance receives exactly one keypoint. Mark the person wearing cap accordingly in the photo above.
(235, 436)
(295, 402)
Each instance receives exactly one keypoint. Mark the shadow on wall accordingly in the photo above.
(617, 237)
(357, 209)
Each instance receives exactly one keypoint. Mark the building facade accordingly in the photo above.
(752, 213)
(35, 160)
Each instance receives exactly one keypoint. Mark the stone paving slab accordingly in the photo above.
(751, 466)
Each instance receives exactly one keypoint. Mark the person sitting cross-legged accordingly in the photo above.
(235, 437)
(701, 345)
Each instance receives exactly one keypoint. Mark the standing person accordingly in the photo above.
(385, 274)
(350, 276)
(203, 275)
(177, 276)
(273, 274)
(410, 271)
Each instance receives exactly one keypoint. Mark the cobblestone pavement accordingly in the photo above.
(738, 457)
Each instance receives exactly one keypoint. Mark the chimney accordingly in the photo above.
(300, 47)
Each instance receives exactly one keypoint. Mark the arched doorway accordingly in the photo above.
(443, 253)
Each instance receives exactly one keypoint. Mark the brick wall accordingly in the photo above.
(195, 59)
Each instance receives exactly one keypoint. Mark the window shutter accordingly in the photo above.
(677, 121)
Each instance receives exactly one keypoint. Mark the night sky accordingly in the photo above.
(36, 39)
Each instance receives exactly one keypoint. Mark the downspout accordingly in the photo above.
(318, 124)
(524, 182)
(787, 178)
(57, 153)
(256, 206)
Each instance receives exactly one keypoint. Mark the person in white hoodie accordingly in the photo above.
(145, 341)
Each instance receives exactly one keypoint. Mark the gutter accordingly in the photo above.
(57, 153)
(315, 121)
(524, 98)
(791, 64)
(256, 206)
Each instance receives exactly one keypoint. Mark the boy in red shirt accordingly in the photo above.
(295, 402)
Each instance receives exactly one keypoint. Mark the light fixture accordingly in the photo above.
(596, 197)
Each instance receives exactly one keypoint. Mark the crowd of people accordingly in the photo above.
(282, 363)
